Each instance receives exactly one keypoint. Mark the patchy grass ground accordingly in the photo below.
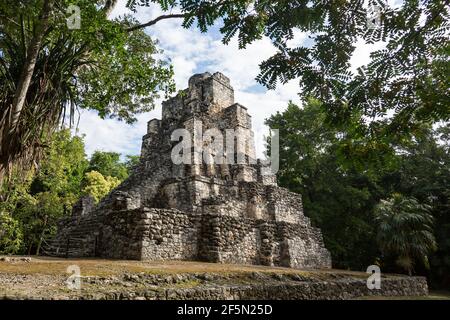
(45, 277)
(100, 267)
(434, 295)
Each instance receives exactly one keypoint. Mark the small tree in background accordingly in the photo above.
(11, 237)
(38, 215)
(131, 162)
(108, 164)
(405, 231)
(34, 202)
(98, 185)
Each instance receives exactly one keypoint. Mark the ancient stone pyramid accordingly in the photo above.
(228, 212)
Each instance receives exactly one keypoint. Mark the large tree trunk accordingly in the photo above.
(9, 136)
(41, 236)
(28, 68)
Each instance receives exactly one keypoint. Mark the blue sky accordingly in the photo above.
(190, 52)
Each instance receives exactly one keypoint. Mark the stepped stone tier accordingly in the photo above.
(227, 212)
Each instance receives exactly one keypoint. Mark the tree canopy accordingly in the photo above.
(108, 164)
(404, 84)
(362, 210)
(405, 230)
(98, 186)
(31, 206)
(48, 70)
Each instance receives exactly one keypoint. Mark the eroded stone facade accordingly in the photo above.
(229, 212)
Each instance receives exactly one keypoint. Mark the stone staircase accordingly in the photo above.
(77, 237)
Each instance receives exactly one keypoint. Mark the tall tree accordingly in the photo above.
(336, 195)
(424, 173)
(340, 194)
(48, 70)
(49, 193)
(98, 185)
(405, 231)
(32, 206)
(108, 164)
(62, 170)
(11, 237)
(30, 62)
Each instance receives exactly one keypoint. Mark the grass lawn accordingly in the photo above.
(103, 267)
(40, 276)
(433, 295)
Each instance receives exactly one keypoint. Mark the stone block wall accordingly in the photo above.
(150, 234)
(121, 235)
(217, 91)
(301, 246)
(170, 235)
(229, 239)
(285, 205)
(236, 116)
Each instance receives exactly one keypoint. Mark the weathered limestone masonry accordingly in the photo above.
(232, 212)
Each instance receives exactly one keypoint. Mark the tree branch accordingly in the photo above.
(178, 15)
(154, 21)
(28, 67)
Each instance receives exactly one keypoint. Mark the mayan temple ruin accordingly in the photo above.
(226, 212)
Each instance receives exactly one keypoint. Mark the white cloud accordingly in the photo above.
(361, 55)
(109, 134)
